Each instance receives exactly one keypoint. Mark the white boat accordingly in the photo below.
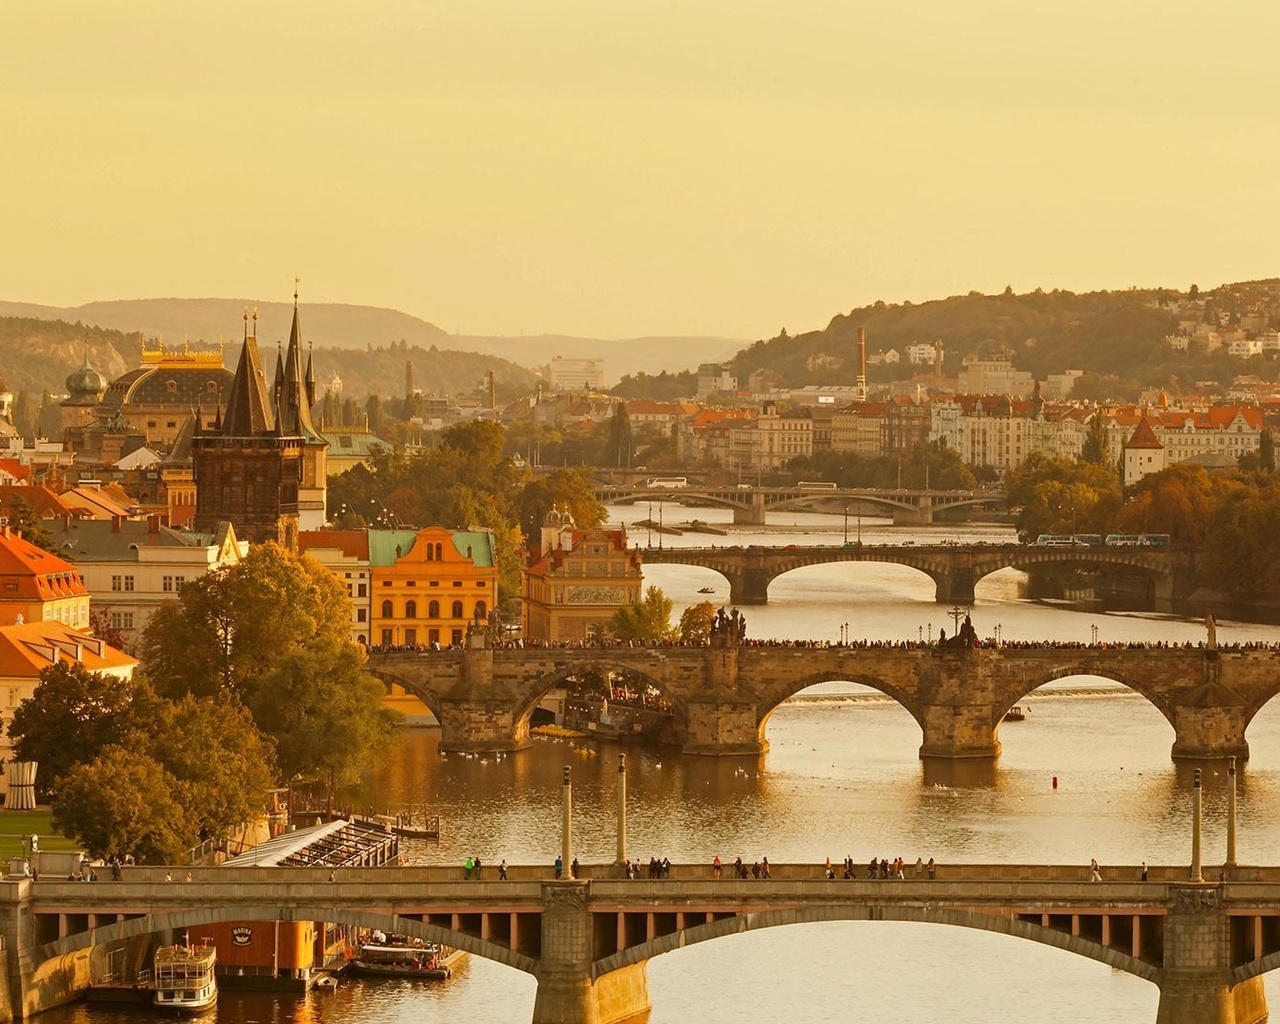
(184, 979)
(428, 960)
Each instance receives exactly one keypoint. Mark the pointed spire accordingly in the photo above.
(249, 410)
(277, 389)
(311, 377)
(246, 322)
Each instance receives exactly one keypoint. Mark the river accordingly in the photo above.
(841, 778)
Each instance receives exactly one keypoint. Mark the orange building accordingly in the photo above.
(36, 586)
(430, 584)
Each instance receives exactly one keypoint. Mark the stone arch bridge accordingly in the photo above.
(587, 942)
(954, 569)
(723, 696)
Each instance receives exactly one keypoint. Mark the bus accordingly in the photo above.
(1137, 540)
(1069, 540)
(816, 485)
(667, 481)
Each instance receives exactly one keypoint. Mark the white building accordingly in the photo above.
(713, 377)
(576, 374)
(920, 354)
(1226, 430)
(993, 377)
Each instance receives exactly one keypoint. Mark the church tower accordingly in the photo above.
(249, 466)
(296, 394)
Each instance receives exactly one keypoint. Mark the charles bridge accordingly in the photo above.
(588, 941)
(723, 695)
(751, 504)
(954, 569)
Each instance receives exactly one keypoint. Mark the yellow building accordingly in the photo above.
(574, 580)
(428, 585)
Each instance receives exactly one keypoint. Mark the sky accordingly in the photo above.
(616, 168)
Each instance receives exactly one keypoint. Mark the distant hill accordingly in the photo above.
(621, 356)
(341, 326)
(1117, 337)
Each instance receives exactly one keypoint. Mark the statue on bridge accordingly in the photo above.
(966, 637)
(728, 629)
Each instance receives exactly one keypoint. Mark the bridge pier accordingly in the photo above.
(751, 586)
(1195, 987)
(959, 731)
(954, 587)
(750, 515)
(1213, 729)
(567, 993)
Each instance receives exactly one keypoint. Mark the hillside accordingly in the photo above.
(1116, 337)
(37, 355)
(340, 326)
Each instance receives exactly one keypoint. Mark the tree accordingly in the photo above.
(24, 519)
(1267, 451)
(647, 620)
(619, 447)
(72, 716)
(272, 632)
(125, 802)
(695, 623)
(222, 764)
(569, 489)
(1095, 442)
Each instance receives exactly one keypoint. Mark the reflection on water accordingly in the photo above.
(841, 778)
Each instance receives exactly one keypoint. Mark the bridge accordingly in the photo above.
(954, 569)
(723, 696)
(587, 941)
(750, 504)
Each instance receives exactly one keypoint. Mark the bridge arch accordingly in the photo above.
(411, 684)
(548, 681)
(178, 920)
(1017, 692)
(777, 698)
(920, 914)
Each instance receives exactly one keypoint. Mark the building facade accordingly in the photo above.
(574, 580)
(37, 586)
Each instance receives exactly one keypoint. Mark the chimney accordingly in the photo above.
(153, 524)
(937, 362)
(862, 364)
(115, 523)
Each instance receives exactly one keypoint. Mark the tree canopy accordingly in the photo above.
(649, 619)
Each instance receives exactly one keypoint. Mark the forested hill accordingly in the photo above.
(37, 355)
(1116, 337)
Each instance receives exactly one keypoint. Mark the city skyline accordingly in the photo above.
(623, 170)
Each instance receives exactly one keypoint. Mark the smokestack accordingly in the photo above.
(937, 362)
(862, 364)
(408, 380)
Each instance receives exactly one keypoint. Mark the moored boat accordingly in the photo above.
(405, 960)
(184, 979)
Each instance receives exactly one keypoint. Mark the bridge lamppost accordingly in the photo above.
(920, 633)
(1196, 874)
(1094, 631)
(998, 628)
(846, 523)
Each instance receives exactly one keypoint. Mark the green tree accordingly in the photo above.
(24, 519)
(695, 623)
(72, 715)
(569, 489)
(620, 446)
(1095, 442)
(648, 619)
(1267, 451)
(125, 802)
(223, 765)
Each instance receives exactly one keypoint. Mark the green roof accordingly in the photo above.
(383, 544)
(481, 544)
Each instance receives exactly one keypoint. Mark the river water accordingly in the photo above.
(841, 778)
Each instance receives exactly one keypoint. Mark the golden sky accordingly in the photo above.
(616, 168)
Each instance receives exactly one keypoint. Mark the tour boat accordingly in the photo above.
(706, 590)
(184, 978)
(398, 960)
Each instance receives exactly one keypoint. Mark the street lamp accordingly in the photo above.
(846, 523)
(998, 638)
(920, 633)
(1094, 631)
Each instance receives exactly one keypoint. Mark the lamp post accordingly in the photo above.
(1094, 631)
(920, 633)
(846, 523)
(998, 637)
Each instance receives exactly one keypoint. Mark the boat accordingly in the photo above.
(1017, 713)
(706, 590)
(405, 960)
(326, 983)
(184, 979)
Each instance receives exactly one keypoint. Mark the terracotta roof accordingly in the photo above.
(33, 573)
(28, 648)
(15, 469)
(47, 502)
(352, 543)
(1143, 436)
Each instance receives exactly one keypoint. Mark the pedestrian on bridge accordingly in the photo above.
(502, 870)
(559, 867)
(466, 868)
(716, 867)
(1095, 875)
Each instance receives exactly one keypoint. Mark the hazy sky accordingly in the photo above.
(614, 168)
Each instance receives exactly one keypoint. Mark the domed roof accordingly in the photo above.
(86, 382)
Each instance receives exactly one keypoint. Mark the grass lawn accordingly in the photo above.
(17, 825)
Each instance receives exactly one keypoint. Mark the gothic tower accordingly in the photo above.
(249, 466)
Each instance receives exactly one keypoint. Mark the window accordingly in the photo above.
(433, 610)
(410, 583)
(122, 620)
(387, 611)
(116, 582)
(167, 584)
(410, 637)
(457, 610)
(439, 556)
(386, 638)
(386, 583)
(455, 636)
(128, 583)
(434, 583)
(433, 636)
(480, 583)
(410, 610)
(457, 583)
(362, 590)
(360, 615)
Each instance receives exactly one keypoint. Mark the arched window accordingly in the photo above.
(439, 554)
(457, 609)
(433, 610)
(430, 553)
(411, 609)
(481, 610)
(386, 610)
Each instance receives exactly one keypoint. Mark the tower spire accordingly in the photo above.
(246, 323)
